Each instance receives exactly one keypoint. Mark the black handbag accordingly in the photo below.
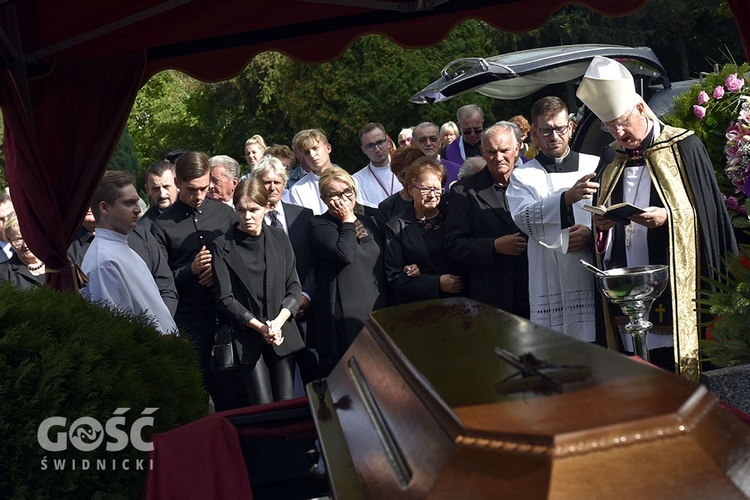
(223, 353)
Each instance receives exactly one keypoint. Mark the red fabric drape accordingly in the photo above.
(203, 459)
(56, 150)
(741, 12)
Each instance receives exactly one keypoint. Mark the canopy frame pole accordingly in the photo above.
(107, 28)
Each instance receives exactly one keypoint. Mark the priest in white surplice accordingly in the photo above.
(116, 273)
(375, 182)
(545, 196)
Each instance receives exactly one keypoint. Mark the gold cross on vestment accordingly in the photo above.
(660, 309)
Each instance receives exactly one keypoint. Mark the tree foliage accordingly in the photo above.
(124, 158)
(277, 96)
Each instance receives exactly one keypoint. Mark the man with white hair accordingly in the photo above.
(291, 218)
(685, 225)
(225, 172)
(405, 137)
(480, 233)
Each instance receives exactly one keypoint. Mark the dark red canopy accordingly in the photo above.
(71, 70)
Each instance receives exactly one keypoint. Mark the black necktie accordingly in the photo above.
(275, 222)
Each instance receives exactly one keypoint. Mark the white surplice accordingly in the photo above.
(561, 292)
(119, 276)
(375, 184)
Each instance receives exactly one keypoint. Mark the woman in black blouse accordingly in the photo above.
(24, 270)
(257, 290)
(345, 249)
(416, 265)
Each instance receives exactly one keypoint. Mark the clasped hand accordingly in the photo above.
(201, 266)
(449, 283)
(271, 332)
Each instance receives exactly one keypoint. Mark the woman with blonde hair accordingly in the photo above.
(255, 148)
(23, 270)
(257, 291)
(346, 253)
(448, 133)
(525, 127)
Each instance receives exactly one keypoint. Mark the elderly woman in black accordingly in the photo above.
(258, 291)
(24, 270)
(416, 265)
(345, 249)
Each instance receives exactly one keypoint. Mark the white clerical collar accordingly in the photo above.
(562, 158)
(109, 234)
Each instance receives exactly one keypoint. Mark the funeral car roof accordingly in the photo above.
(518, 74)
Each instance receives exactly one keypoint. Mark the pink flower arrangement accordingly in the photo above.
(733, 83)
(717, 110)
(737, 149)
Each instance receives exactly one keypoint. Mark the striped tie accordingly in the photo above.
(275, 222)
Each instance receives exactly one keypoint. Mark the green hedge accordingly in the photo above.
(62, 356)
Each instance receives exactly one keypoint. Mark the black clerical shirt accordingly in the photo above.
(181, 231)
(569, 163)
(472, 149)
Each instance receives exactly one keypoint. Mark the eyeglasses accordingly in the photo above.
(425, 138)
(618, 127)
(469, 131)
(547, 131)
(17, 243)
(424, 191)
(378, 144)
(348, 192)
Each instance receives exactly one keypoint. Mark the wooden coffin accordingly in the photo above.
(414, 410)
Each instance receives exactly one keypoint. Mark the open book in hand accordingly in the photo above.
(618, 213)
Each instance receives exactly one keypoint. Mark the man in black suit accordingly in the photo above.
(293, 219)
(480, 233)
(161, 189)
